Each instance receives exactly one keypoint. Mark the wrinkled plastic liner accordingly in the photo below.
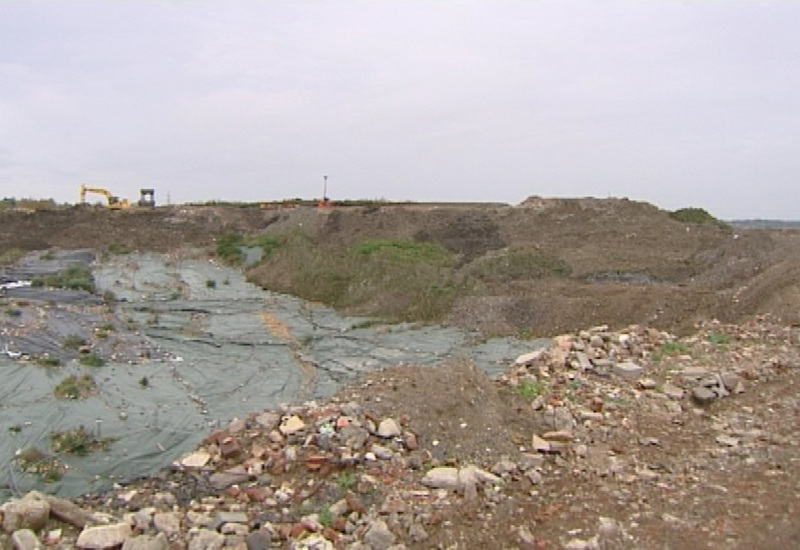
(215, 347)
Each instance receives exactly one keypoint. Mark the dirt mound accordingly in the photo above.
(545, 266)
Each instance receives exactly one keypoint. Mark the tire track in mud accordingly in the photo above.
(280, 330)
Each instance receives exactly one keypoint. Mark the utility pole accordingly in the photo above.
(325, 189)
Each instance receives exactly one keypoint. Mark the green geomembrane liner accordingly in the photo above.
(193, 346)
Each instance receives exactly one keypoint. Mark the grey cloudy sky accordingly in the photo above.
(679, 103)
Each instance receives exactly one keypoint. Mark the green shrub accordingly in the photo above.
(346, 481)
(529, 388)
(75, 277)
(211, 283)
(91, 360)
(74, 342)
(47, 361)
(229, 248)
(718, 338)
(77, 441)
(268, 243)
(118, 249)
(668, 349)
(109, 298)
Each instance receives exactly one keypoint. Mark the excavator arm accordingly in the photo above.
(114, 202)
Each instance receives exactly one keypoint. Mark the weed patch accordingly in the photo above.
(529, 388)
(74, 387)
(75, 277)
(91, 360)
(35, 461)
(77, 441)
(229, 248)
(514, 264)
(696, 215)
(74, 342)
(718, 338)
(405, 251)
(47, 361)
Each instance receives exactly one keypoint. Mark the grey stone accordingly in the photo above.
(147, 542)
(628, 370)
(582, 361)
(529, 358)
(29, 512)
(702, 395)
(504, 466)
(25, 539)
(485, 477)
(673, 392)
(417, 533)
(68, 512)
(205, 539)
(384, 453)
(104, 536)
(223, 480)
(222, 517)
(389, 428)
(378, 535)
(442, 478)
(168, 523)
(732, 382)
(268, 420)
(354, 437)
(647, 383)
(548, 420)
(726, 440)
(258, 540)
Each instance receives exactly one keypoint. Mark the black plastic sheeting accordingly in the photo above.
(193, 345)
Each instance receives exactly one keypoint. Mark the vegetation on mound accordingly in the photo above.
(35, 461)
(47, 361)
(74, 342)
(696, 215)
(514, 264)
(404, 251)
(91, 360)
(74, 387)
(78, 441)
(75, 277)
(118, 249)
(229, 246)
(412, 281)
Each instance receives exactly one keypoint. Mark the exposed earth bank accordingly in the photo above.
(540, 268)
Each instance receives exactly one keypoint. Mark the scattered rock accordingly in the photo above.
(104, 536)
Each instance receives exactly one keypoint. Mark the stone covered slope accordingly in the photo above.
(607, 439)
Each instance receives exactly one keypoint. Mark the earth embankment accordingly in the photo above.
(542, 267)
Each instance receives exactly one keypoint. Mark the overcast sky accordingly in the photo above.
(679, 103)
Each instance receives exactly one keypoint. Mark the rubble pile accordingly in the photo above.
(633, 414)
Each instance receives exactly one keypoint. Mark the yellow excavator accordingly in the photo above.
(114, 202)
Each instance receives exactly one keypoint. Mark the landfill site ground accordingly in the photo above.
(663, 414)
